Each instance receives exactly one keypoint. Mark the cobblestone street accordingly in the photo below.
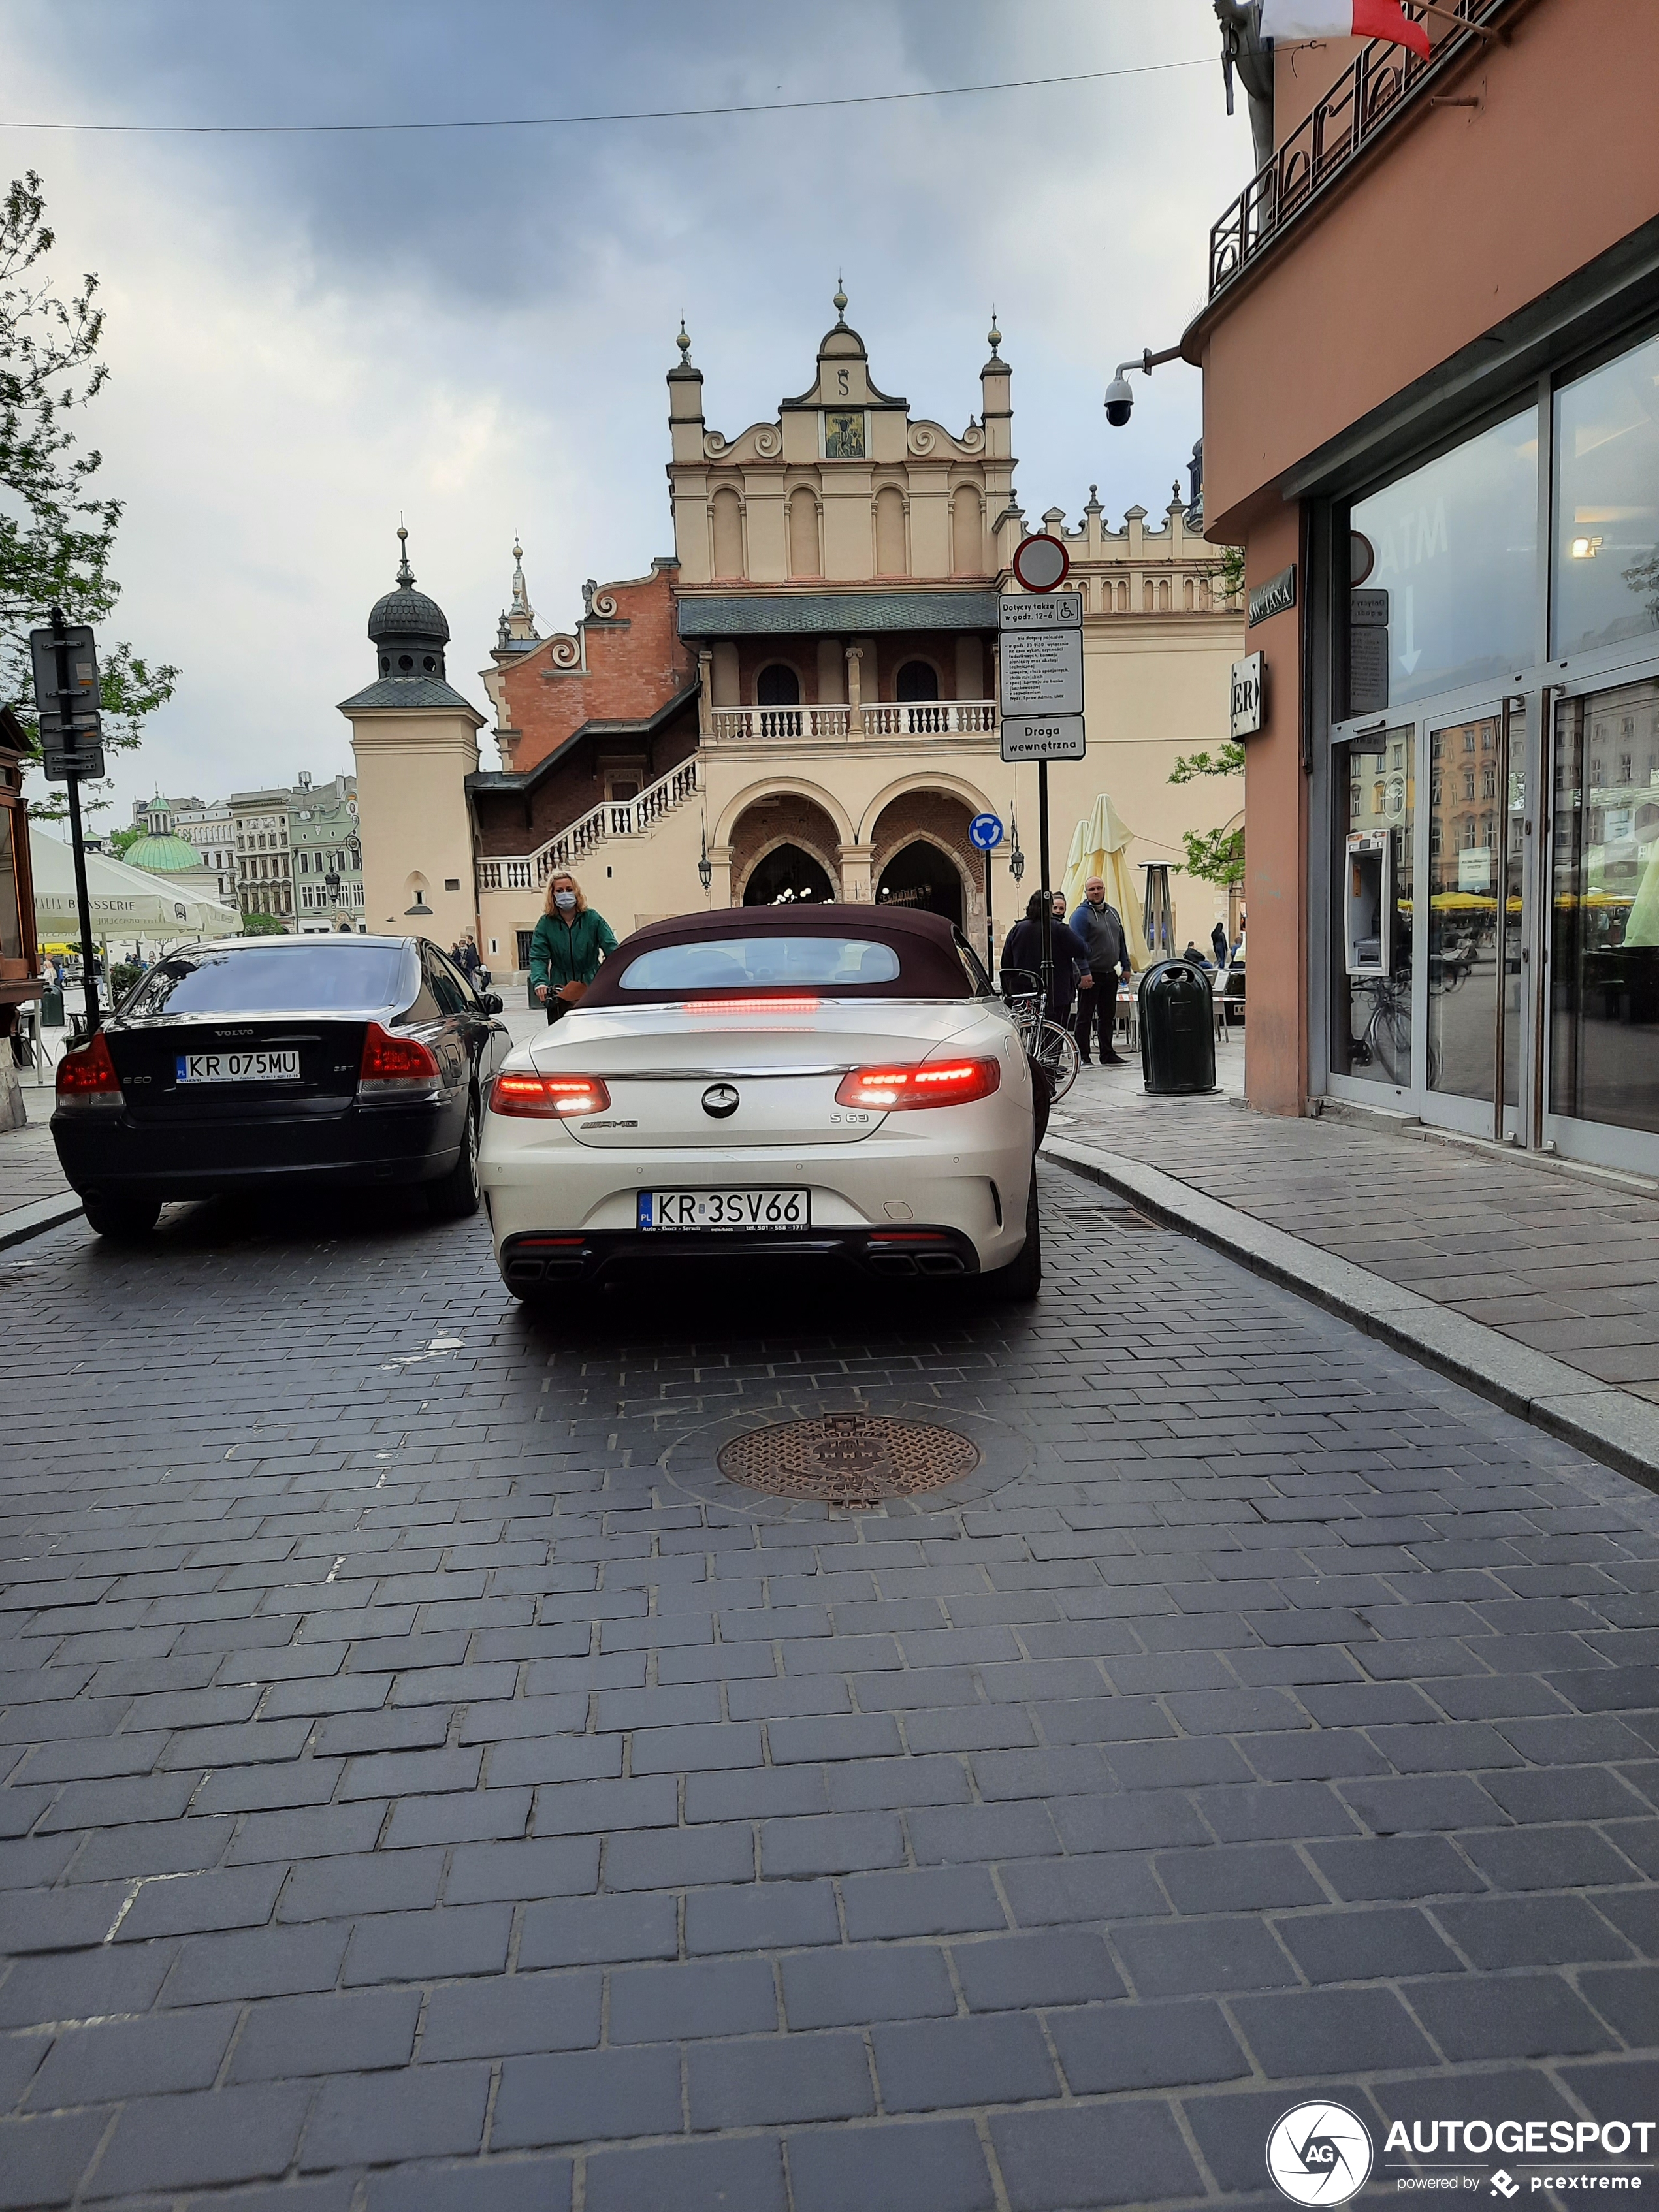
(429, 1787)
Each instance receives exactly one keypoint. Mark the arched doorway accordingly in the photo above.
(778, 686)
(787, 876)
(918, 680)
(921, 876)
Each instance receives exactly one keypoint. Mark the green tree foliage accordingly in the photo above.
(57, 528)
(121, 842)
(1214, 856)
(261, 924)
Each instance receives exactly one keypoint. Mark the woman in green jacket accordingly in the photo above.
(570, 943)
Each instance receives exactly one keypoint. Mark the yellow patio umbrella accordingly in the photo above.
(1100, 847)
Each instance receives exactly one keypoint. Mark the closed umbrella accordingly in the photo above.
(1100, 847)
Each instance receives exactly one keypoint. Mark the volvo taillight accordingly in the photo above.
(87, 1081)
(394, 1067)
(925, 1083)
(547, 1097)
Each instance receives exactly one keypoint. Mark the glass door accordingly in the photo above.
(1374, 1019)
(1473, 955)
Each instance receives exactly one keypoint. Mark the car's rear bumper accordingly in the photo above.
(552, 1260)
(193, 1160)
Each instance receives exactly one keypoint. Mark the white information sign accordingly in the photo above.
(1042, 671)
(1042, 737)
(1047, 611)
(1246, 717)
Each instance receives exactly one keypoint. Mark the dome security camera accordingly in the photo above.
(1120, 399)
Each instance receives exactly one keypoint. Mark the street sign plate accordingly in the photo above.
(985, 831)
(78, 644)
(60, 762)
(1042, 563)
(1042, 737)
(1055, 611)
(1042, 671)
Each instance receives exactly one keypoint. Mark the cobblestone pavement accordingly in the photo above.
(426, 1788)
(1564, 1263)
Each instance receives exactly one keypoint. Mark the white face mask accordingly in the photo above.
(564, 901)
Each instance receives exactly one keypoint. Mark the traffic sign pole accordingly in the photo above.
(62, 731)
(990, 929)
(1047, 894)
(82, 903)
(985, 831)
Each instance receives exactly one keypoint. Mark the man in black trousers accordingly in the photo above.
(1101, 928)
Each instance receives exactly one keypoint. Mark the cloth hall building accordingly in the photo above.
(803, 695)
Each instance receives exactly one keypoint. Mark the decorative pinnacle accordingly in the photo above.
(839, 303)
(406, 574)
(684, 344)
(993, 335)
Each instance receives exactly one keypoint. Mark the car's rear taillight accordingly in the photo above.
(755, 1005)
(547, 1097)
(395, 1067)
(926, 1083)
(87, 1081)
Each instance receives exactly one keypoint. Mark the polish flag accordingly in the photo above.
(1343, 19)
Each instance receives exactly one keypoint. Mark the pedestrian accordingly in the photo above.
(1106, 950)
(1023, 949)
(1193, 954)
(1218, 945)
(570, 941)
(467, 960)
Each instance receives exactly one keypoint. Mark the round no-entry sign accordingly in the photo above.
(986, 831)
(1042, 563)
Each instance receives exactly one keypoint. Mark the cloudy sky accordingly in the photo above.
(310, 333)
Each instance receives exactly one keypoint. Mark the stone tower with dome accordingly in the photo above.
(416, 741)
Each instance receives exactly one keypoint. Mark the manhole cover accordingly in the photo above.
(848, 1459)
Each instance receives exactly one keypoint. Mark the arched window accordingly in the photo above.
(889, 531)
(804, 557)
(728, 532)
(777, 685)
(917, 679)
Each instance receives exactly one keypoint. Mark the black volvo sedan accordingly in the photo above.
(281, 1061)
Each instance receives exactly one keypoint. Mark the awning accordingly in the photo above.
(835, 614)
(122, 902)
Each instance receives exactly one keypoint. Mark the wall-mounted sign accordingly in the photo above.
(1367, 651)
(1245, 718)
(1274, 596)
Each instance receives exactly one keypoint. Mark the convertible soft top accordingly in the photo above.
(929, 965)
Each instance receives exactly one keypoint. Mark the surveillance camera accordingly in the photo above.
(1119, 401)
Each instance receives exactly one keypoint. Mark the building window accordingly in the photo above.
(917, 680)
(777, 685)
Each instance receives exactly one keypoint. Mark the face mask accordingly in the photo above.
(564, 901)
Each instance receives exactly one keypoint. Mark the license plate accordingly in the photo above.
(725, 1209)
(239, 1066)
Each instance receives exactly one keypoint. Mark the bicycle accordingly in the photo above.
(1052, 1046)
(1386, 1039)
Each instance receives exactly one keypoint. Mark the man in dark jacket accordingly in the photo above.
(1107, 951)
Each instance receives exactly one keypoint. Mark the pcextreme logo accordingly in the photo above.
(1319, 2154)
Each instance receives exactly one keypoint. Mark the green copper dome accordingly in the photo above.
(164, 856)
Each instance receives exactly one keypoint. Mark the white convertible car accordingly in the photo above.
(836, 1084)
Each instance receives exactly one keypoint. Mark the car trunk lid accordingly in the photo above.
(151, 1059)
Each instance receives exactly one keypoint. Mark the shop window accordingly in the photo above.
(1606, 555)
(1453, 547)
(1604, 935)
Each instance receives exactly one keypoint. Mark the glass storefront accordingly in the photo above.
(1604, 908)
(1494, 949)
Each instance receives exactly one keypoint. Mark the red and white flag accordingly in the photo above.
(1343, 19)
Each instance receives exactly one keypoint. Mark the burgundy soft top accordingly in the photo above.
(930, 966)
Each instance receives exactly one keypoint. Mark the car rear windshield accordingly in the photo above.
(763, 963)
(272, 979)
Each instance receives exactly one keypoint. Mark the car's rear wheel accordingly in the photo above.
(1022, 1279)
(456, 1195)
(122, 1219)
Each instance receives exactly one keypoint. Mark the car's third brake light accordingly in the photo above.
(547, 1097)
(926, 1083)
(756, 1005)
(87, 1080)
(394, 1067)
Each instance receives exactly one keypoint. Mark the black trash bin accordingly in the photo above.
(51, 1010)
(1177, 1027)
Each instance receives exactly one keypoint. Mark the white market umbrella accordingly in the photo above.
(1100, 847)
(122, 902)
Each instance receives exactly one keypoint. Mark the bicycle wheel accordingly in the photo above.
(1390, 1038)
(1057, 1056)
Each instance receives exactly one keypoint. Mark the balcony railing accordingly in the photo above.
(921, 718)
(1382, 82)
(612, 818)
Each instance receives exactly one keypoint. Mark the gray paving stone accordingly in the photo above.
(847, 1988)
(1539, 2017)
(418, 1946)
(494, 2015)
(118, 2059)
(1380, 1945)
(757, 1917)
(714, 2175)
(929, 2065)
(596, 2096)
(257, 1962)
(288, 2038)
(1317, 2031)
(669, 2004)
(41, 2159)
(1146, 2046)
(935, 2165)
(777, 2080)
(423, 2112)
(510, 2185)
(1126, 2153)
(222, 2136)
(1193, 1957)
(1527, 1931)
(941, 1901)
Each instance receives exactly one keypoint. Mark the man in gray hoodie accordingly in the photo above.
(1101, 928)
